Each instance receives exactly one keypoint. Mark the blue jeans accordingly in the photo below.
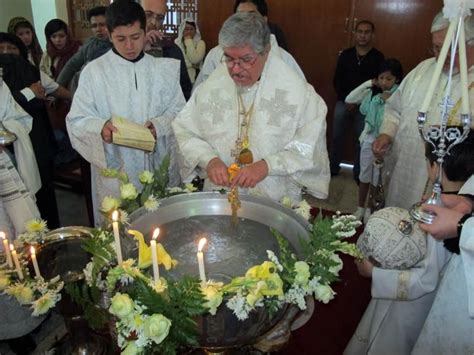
(343, 121)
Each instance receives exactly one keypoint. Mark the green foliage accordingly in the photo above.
(88, 298)
(287, 259)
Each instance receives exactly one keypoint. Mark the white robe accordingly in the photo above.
(287, 129)
(147, 90)
(17, 202)
(449, 327)
(407, 157)
(214, 58)
(401, 299)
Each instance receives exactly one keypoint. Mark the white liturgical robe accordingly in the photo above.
(449, 327)
(287, 128)
(407, 157)
(141, 91)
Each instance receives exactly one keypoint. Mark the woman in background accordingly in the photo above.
(22, 28)
(193, 47)
(60, 47)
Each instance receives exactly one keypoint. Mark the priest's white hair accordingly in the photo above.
(243, 29)
(440, 23)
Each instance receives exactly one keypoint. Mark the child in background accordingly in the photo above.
(373, 94)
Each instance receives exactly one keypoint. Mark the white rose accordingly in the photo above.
(324, 293)
(128, 191)
(122, 305)
(146, 177)
(109, 204)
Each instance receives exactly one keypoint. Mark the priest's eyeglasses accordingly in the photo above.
(245, 62)
(158, 18)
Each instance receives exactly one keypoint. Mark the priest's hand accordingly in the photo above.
(151, 127)
(217, 172)
(251, 175)
(380, 145)
(107, 132)
(365, 267)
(445, 224)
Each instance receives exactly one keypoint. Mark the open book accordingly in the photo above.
(131, 134)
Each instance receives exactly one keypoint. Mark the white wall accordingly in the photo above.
(14, 8)
(43, 11)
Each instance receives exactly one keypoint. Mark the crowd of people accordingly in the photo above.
(247, 103)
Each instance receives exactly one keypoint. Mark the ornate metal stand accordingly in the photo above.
(443, 137)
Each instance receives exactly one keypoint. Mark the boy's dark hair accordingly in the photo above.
(192, 23)
(366, 22)
(261, 5)
(16, 41)
(393, 66)
(53, 26)
(96, 11)
(459, 163)
(124, 13)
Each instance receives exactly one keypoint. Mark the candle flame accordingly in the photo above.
(32, 250)
(202, 242)
(12, 248)
(2, 235)
(156, 232)
(115, 216)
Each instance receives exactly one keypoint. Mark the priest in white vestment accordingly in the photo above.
(216, 54)
(406, 159)
(17, 188)
(131, 84)
(254, 105)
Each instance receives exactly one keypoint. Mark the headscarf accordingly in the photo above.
(180, 40)
(64, 54)
(34, 48)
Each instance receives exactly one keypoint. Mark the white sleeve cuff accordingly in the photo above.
(28, 94)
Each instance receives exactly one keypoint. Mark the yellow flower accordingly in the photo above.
(109, 204)
(36, 225)
(144, 253)
(22, 293)
(128, 191)
(43, 304)
(146, 177)
(213, 296)
(164, 258)
(286, 201)
(262, 271)
(4, 282)
(156, 328)
(122, 305)
(189, 187)
(159, 286)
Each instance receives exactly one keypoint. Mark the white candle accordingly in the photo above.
(35, 262)
(200, 257)
(463, 72)
(17, 263)
(439, 66)
(118, 248)
(6, 249)
(154, 256)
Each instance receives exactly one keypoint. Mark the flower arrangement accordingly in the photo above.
(154, 187)
(40, 294)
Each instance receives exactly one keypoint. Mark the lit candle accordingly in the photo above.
(17, 263)
(200, 257)
(118, 248)
(6, 249)
(154, 256)
(35, 262)
(439, 66)
(463, 72)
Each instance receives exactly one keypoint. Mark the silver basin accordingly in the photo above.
(230, 251)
